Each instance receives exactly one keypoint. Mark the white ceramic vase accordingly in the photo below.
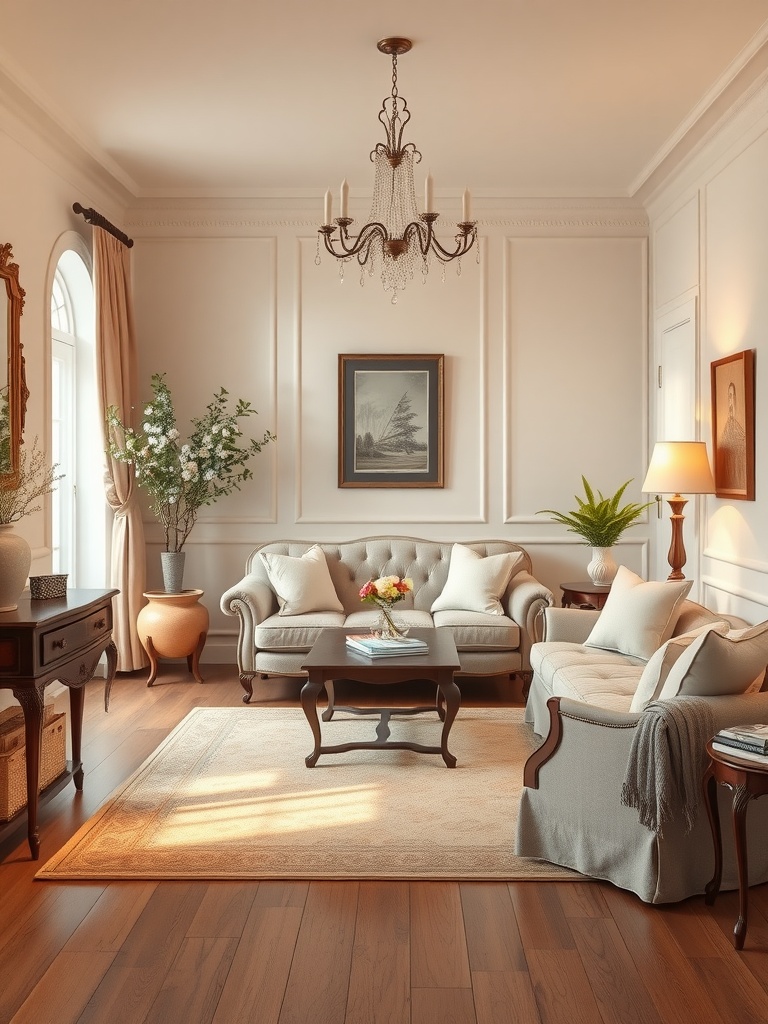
(15, 560)
(602, 569)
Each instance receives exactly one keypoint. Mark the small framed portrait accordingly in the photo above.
(390, 421)
(733, 425)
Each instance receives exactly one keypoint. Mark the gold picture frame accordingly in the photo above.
(733, 425)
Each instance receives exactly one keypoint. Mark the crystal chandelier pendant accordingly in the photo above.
(396, 237)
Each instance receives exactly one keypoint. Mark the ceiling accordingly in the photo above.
(248, 98)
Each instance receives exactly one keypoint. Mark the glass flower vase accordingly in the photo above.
(388, 627)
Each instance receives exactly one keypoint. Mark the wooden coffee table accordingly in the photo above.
(331, 659)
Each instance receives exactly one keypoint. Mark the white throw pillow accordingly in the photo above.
(655, 673)
(716, 665)
(302, 584)
(638, 617)
(475, 583)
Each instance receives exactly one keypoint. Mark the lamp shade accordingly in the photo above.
(679, 467)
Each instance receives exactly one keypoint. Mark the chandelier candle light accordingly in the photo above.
(396, 236)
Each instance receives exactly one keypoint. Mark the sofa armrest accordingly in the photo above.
(616, 729)
(252, 601)
(526, 599)
(568, 625)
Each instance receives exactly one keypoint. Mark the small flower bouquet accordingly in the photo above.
(384, 592)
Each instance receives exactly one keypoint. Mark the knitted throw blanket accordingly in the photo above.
(667, 761)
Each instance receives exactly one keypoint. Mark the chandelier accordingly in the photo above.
(397, 238)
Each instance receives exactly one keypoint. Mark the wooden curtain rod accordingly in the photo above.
(92, 217)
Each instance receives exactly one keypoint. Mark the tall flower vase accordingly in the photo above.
(15, 560)
(172, 563)
(388, 627)
(602, 569)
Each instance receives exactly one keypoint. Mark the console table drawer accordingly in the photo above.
(76, 635)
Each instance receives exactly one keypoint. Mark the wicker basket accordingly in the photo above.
(46, 588)
(13, 769)
(12, 727)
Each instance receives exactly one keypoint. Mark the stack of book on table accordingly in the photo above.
(747, 741)
(379, 647)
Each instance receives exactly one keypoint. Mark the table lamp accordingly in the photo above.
(678, 466)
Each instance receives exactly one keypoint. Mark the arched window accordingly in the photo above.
(79, 508)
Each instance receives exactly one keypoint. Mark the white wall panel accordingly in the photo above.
(205, 315)
(431, 318)
(576, 370)
(676, 253)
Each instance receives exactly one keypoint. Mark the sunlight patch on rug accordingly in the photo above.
(227, 795)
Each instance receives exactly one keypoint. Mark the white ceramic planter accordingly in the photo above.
(602, 569)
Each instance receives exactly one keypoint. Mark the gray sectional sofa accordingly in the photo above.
(271, 642)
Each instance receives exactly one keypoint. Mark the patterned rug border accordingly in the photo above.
(360, 862)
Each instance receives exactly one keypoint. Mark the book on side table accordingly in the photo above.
(748, 741)
(379, 647)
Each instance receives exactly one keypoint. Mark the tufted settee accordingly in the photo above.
(271, 642)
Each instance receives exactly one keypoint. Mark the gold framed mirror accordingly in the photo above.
(13, 385)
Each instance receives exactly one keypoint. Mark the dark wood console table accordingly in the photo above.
(42, 641)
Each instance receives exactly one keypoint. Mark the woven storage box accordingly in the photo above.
(12, 727)
(13, 769)
(46, 588)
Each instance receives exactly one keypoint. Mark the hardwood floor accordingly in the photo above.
(345, 952)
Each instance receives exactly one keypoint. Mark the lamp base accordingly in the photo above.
(676, 556)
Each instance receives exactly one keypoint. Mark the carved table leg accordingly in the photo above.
(710, 792)
(32, 701)
(741, 798)
(328, 713)
(452, 695)
(111, 653)
(309, 694)
(76, 704)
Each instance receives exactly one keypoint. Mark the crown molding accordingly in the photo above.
(730, 101)
(56, 147)
(155, 217)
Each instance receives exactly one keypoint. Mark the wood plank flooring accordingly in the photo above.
(358, 952)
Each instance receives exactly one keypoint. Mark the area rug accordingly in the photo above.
(227, 795)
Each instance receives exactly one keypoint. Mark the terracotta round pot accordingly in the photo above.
(15, 560)
(173, 621)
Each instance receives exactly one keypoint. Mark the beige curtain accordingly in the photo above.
(116, 357)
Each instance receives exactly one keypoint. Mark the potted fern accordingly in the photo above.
(600, 521)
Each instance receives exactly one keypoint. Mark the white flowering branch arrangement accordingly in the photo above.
(181, 477)
(35, 479)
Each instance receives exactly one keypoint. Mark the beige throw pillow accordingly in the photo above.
(655, 673)
(302, 584)
(716, 665)
(638, 617)
(476, 583)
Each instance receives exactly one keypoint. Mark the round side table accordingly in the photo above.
(747, 779)
(585, 595)
(173, 626)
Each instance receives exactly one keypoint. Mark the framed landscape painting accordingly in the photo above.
(733, 425)
(390, 421)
